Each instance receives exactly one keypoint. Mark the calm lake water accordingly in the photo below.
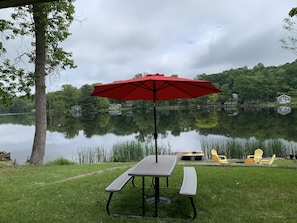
(18, 140)
(179, 130)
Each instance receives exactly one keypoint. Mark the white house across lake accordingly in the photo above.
(283, 99)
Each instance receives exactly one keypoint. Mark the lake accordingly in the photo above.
(180, 130)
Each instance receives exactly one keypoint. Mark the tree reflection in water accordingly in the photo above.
(234, 132)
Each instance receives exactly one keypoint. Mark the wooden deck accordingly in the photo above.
(195, 155)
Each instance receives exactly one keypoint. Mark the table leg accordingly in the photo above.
(143, 192)
(156, 199)
(157, 195)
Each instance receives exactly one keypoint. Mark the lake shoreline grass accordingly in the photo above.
(75, 193)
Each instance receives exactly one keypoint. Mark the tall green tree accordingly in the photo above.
(251, 87)
(48, 24)
(87, 102)
(71, 95)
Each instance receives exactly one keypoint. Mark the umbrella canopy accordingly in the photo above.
(155, 87)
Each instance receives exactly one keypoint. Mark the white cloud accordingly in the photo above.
(114, 40)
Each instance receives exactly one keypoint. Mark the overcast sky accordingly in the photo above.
(116, 39)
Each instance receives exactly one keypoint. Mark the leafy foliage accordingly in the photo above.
(290, 24)
(17, 74)
(259, 82)
(61, 162)
(88, 103)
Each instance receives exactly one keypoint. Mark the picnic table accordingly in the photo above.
(148, 167)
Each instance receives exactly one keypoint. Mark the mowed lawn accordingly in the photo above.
(75, 193)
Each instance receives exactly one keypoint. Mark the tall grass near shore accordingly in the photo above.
(92, 155)
(240, 148)
(134, 150)
(121, 152)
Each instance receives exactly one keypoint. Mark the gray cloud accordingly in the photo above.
(114, 40)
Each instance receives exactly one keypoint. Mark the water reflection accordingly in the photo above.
(18, 140)
(284, 110)
(181, 130)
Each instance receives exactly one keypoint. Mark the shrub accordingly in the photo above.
(61, 162)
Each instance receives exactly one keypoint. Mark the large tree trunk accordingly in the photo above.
(38, 149)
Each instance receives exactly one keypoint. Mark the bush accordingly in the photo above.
(61, 162)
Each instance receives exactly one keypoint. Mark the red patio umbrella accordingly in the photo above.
(155, 87)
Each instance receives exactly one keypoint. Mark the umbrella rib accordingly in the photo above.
(112, 88)
(181, 89)
(144, 86)
(165, 85)
(124, 95)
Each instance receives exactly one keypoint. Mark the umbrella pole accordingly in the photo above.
(155, 134)
(155, 122)
(157, 188)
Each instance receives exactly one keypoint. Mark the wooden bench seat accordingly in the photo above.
(189, 186)
(116, 186)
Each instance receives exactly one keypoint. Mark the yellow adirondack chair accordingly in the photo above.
(269, 162)
(257, 155)
(218, 158)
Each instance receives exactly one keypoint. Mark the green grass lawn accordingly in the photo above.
(75, 193)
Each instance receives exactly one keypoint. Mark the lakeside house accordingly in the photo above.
(115, 107)
(283, 99)
(76, 111)
(76, 108)
(231, 101)
(129, 104)
(252, 101)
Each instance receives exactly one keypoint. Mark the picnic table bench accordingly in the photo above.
(117, 185)
(189, 186)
